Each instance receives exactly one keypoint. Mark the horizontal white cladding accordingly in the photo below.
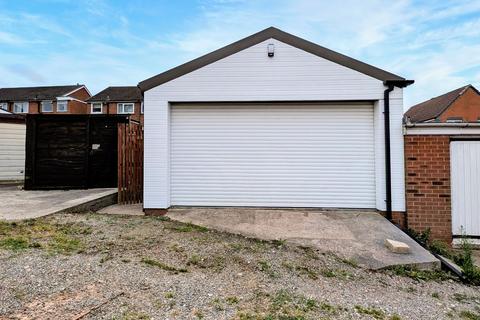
(251, 76)
(273, 155)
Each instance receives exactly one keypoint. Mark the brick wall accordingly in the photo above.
(427, 162)
(75, 107)
(399, 218)
(81, 94)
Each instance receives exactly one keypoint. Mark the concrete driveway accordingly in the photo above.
(17, 204)
(349, 234)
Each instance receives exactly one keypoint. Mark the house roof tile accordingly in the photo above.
(36, 93)
(125, 94)
(434, 107)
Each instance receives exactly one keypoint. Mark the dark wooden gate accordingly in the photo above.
(130, 163)
(71, 151)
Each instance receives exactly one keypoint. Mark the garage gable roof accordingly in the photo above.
(260, 37)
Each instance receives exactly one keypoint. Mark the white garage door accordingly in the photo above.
(289, 155)
(465, 173)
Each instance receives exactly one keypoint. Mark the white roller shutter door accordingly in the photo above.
(283, 155)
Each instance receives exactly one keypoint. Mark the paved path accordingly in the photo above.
(347, 233)
(19, 204)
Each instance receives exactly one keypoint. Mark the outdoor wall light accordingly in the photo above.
(271, 50)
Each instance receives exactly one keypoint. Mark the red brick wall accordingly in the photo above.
(467, 107)
(399, 218)
(75, 107)
(427, 163)
(81, 94)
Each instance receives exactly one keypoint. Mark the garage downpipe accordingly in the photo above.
(388, 163)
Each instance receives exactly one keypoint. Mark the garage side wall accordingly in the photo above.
(427, 159)
(251, 76)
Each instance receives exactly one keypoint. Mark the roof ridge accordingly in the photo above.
(56, 86)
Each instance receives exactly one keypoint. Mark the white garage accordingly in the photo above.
(274, 121)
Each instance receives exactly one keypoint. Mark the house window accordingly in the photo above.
(141, 107)
(4, 106)
(47, 106)
(20, 107)
(97, 107)
(62, 106)
(127, 108)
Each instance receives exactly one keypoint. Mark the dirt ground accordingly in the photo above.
(91, 266)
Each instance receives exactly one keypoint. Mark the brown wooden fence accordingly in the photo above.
(130, 163)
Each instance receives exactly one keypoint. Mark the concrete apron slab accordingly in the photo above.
(20, 204)
(347, 233)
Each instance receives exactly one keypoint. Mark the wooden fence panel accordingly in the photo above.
(130, 163)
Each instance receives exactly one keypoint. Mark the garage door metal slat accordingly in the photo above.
(264, 155)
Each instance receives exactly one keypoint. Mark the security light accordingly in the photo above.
(271, 50)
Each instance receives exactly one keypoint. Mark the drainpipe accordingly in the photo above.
(388, 163)
(391, 84)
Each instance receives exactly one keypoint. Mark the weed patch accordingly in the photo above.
(163, 266)
(469, 315)
(282, 304)
(463, 258)
(304, 270)
(465, 298)
(425, 275)
(42, 234)
(231, 300)
(14, 243)
(186, 227)
(266, 267)
(373, 312)
(336, 273)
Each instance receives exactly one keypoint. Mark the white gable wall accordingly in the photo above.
(250, 75)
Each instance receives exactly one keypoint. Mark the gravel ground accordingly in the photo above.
(89, 266)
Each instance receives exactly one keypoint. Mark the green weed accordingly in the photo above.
(163, 266)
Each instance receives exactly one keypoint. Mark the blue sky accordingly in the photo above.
(102, 43)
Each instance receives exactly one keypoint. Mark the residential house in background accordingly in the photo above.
(459, 105)
(68, 99)
(118, 100)
(442, 161)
